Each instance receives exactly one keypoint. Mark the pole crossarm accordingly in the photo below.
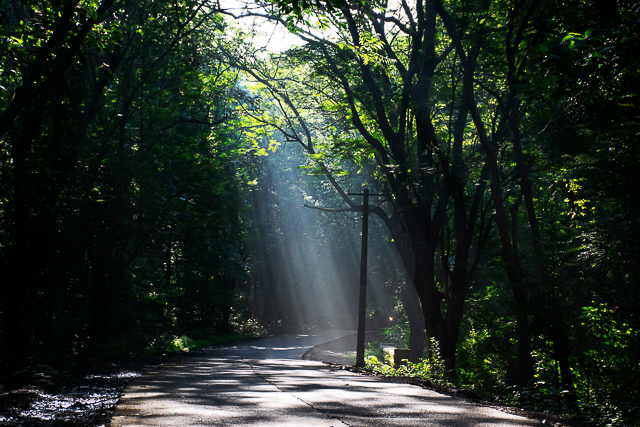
(334, 210)
(362, 194)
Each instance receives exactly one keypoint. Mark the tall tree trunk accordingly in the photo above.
(13, 295)
(424, 249)
(228, 291)
(413, 310)
(558, 334)
(507, 242)
(409, 294)
(18, 282)
(98, 317)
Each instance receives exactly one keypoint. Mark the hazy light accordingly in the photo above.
(268, 34)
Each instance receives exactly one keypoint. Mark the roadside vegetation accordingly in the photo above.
(482, 380)
(169, 178)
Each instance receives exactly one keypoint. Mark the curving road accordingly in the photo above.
(265, 382)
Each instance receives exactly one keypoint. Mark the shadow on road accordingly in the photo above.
(266, 383)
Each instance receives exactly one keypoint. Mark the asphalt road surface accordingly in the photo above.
(265, 382)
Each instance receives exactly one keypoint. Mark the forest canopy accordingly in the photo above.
(165, 171)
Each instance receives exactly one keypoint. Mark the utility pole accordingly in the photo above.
(362, 301)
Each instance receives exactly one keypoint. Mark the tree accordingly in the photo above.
(118, 148)
(590, 130)
(437, 96)
(387, 121)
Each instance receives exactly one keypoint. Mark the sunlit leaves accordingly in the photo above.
(607, 354)
(369, 49)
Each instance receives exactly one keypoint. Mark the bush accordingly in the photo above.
(431, 369)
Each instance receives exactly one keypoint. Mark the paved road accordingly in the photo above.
(265, 383)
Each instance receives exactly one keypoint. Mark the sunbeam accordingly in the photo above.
(310, 259)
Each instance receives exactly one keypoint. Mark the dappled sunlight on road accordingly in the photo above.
(256, 385)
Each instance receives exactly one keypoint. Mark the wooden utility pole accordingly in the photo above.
(362, 305)
(362, 301)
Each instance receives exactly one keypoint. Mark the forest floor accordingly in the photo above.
(86, 395)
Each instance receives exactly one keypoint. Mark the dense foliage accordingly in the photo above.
(121, 195)
(503, 135)
(154, 160)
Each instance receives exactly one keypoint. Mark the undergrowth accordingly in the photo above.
(482, 373)
(169, 343)
(430, 369)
